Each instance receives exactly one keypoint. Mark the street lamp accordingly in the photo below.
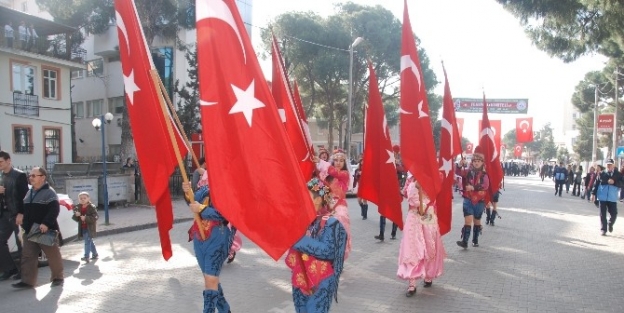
(356, 42)
(615, 114)
(99, 125)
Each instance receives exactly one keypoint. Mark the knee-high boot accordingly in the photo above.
(222, 305)
(488, 214)
(465, 236)
(364, 211)
(493, 218)
(210, 300)
(475, 235)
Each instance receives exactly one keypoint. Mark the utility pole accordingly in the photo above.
(615, 116)
(595, 136)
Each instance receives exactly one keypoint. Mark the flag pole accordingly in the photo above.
(176, 149)
(177, 120)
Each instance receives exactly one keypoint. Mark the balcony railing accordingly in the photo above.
(24, 104)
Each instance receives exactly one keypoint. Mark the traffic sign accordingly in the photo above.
(620, 152)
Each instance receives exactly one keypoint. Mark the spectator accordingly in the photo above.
(197, 174)
(32, 37)
(23, 35)
(8, 34)
(137, 177)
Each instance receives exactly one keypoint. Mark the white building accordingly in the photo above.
(570, 131)
(35, 96)
(98, 87)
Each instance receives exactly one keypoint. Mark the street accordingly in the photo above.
(546, 254)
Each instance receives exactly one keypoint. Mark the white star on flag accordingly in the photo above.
(446, 166)
(391, 158)
(246, 102)
(130, 86)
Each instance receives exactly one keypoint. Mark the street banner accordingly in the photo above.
(495, 106)
(605, 123)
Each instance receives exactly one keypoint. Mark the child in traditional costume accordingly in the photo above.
(475, 193)
(317, 258)
(421, 254)
(212, 251)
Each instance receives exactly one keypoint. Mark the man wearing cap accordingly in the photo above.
(606, 190)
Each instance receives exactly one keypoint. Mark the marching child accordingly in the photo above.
(85, 213)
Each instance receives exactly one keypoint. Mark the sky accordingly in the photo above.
(484, 48)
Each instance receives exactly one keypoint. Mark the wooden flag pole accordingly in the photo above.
(177, 120)
(189, 195)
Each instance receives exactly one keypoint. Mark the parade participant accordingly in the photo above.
(316, 260)
(41, 207)
(85, 213)
(339, 171)
(323, 154)
(606, 191)
(13, 188)
(476, 184)
(560, 174)
(589, 183)
(491, 209)
(362, 202)
(212, 252)
(422, 252)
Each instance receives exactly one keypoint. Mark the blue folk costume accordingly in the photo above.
(212, 252)
(317, 261)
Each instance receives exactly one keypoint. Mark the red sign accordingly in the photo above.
(605, 123)
(469, 148)
(498, 106)
(518, 150)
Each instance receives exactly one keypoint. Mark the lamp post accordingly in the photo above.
(356, 42)
(615, 115)
(100, 125)
(595, 135)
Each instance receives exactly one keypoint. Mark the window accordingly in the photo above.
(22, 139)
(78, 109)
(94, 108)
(163, 62)
(25, 6)
(115, 105)
(76, 74)
(573, 126)
(50, 83)
(95, 68)
(23, 78)
(52, 146)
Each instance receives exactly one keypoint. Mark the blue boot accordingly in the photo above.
(210, 300)
(475, 235)
(465, 236)
(222, 304)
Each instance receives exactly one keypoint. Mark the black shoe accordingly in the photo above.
(95, 257)
(610, 227)
(21, 285)
(17, 276)
(393, 237)
(428, 284)
(604, 232)
(231, 257)
(462, 244)
(410, 292)
(492, 222)
(85, 259)
(57, 282)
(475, 244)
(379, 238)
(8, 274)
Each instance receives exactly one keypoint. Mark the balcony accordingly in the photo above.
(25, 105)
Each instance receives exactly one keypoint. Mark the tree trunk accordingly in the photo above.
(127, 141)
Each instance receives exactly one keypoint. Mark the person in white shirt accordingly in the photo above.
(32, 41)
(8, 34)
(23, 35)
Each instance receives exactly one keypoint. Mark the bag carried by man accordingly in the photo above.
(48, 238)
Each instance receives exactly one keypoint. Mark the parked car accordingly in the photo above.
(67, 227)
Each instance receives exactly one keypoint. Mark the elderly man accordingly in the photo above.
(606, 190)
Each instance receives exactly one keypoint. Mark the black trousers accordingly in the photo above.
(607, 206)
(559, 186)
(6, 230)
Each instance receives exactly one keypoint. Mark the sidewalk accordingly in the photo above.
(138, 217)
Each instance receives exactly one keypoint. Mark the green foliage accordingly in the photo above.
(572, 28)
(322, 71)
(188, 105)
(563, 155)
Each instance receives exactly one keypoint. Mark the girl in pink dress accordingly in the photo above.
(339, 183)
(421, 253)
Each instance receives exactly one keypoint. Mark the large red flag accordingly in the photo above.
(524, 129)
(518, 150)
(303, 118)
(147, 120)
(417, 148)
(285, 101)
(378, 183)
(255, 179)
(450, 146)
(490, 148)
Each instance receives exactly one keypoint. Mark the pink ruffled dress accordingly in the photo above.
(339, 189)
(421, 253)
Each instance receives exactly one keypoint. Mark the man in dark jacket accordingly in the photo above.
(13, 188)
(607, 191)
(560, 176)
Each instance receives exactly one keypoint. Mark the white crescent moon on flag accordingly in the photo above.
(122, 27)
(217, 9)
(490, 132)
(523, 128)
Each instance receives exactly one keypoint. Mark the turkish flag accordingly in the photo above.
(450, 146)
(280, 88)
(378, 183)
(418, 150)
(518, 150)
(524, 129)
(487, 142)
(460, 126)
(469, 148)
(255, 178)
(304, 120)
(496, 128)
(147, 120)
